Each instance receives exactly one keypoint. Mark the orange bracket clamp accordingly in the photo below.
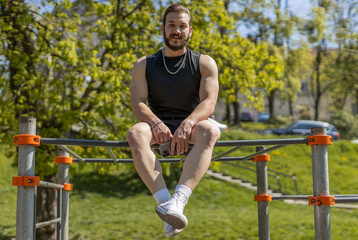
(29, 181)
(321, 200)
(263, 198)
(63, 159)
(27, 139)
(319, 140)
(66, 187)
(262, 158)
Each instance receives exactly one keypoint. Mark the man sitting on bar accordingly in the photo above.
(181, 87)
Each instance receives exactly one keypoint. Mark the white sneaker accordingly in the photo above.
(172, 210)
(170, 231)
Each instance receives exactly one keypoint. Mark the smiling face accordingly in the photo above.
(177, 30)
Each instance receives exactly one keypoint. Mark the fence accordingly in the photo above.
(27, 182)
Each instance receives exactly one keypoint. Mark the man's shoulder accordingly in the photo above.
(152, 59)
(144, 59)
(206, 60)
(140, 63)
(203, 57)
(192, 52)
(207, 64)
(154, 55)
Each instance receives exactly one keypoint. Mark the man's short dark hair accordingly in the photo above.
(176, 8)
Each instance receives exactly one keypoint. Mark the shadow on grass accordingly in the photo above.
(2, 237)
(5, 237)
(120, 186)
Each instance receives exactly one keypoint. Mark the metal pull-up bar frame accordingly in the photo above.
(27, 182)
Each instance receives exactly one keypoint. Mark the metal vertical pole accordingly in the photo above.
(25, 215)
(262, 188)
(64, 178)
(321, 187)
(59, 214)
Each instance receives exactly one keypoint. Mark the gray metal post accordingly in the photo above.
(59, 214)
(321, 187)
(262, 188)
(25, 215)
(64, 177)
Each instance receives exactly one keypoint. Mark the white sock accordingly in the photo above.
(162, 196)
(183, 190)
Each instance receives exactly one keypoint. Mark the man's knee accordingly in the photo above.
(138, 133)
(208, 132)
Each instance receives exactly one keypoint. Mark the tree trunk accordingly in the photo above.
(290, 107)
(318, 84)
(227, 112)
(271, 105)
(236, 106)
(316, 108)
(46, 208)
(356, 113)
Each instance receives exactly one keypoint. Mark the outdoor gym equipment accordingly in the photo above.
(27, 182)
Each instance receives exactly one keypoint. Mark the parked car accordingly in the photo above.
(221, 126)
(303, 127)
(263, 117)
(247, 116)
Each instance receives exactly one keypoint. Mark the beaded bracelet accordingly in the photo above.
(155, 124)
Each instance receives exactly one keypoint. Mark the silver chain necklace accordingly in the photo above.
(181, 65)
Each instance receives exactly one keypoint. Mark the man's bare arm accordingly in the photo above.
(139, 96)
(208, 93)
(209, 90)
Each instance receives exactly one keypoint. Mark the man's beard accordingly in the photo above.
(175, 48)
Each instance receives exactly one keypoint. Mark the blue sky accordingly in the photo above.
(300, 7)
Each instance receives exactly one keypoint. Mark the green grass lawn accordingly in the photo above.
(7, 199)
(118, 206)
(296, 160)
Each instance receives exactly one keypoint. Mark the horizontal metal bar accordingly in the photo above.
(347, 195)
(346, 199)
(298, 197)
(83, 142)
(263, 142)
(228, 159)
(44, 224)
(100, 143)
(110, 160)
(163, 160)
(349, 198)
(50, 185)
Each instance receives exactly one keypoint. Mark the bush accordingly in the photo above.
(345, 123)
(283, 119)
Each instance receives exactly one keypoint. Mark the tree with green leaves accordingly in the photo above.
(297, 68)
(343, 62)
(244, 67)
(70, 67)
(317, 29)
(274, 25)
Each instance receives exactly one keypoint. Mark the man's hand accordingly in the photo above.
(161, 133)
(180, 141)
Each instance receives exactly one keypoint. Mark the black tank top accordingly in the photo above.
(173, 95)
